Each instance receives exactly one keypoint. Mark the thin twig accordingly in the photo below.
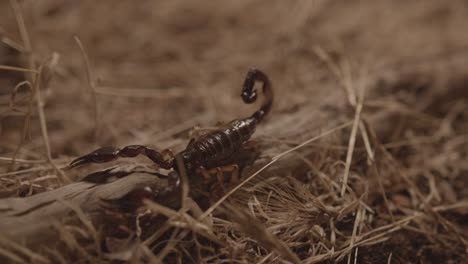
(27, 117)
(22, 160)
(352, 142)
(357, 220)
(91, 86)
(10, 42)
(18, 69)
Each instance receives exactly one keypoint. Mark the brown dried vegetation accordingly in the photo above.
(364, 157)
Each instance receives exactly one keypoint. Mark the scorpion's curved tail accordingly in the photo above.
(249, 93)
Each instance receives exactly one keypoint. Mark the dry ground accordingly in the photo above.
(394, 72)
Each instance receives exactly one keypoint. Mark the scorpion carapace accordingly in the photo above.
(211, 151)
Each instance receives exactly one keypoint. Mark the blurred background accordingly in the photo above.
(157, 64)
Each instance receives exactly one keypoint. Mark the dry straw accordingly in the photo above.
(362, 161)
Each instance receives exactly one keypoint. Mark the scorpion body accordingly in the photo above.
(213, 149)
(209, 151)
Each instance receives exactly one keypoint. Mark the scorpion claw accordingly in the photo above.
(77, 162)
(101, 155)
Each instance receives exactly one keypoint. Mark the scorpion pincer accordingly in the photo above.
(213, 151)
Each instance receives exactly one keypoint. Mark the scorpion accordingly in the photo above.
(211, 153)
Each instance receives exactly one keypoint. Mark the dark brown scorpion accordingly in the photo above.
(211, 153)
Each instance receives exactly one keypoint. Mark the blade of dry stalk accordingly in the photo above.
(70, 240)
(256, 230)
(19, 69)
(27, 116)
(86, 221)
(193, 224)
(352, 142)
(43, 123)
(22, 29)
(22, 160)
(91, 85)
(184, 220)
(185, 181)
(10, 255)
(34, 257)
(169, 246)
(343, 76)
(10, 42)
(365, 138)
(357, 221)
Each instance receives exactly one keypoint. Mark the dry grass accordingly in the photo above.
(369, 128)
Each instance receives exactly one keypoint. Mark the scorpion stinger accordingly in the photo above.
(249, 93)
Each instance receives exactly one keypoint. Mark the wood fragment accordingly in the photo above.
(31, 218)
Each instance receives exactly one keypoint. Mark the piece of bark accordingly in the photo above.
(31, 219)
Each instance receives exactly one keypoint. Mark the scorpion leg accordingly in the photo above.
(234, 177)
(164, 159)
(173, 184)
(247, 154)
(250, 145)
(219, 174)
(170, 194)
(204, 172)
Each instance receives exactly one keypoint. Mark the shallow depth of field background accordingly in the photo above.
(158, 68)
